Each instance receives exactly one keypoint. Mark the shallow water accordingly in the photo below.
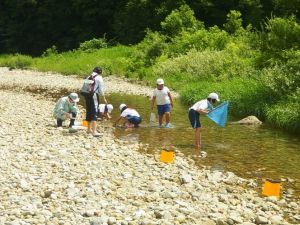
(249, 151)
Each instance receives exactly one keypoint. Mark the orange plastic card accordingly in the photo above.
(167, 156)
(271, 188)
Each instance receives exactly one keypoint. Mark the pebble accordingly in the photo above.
(51, 176)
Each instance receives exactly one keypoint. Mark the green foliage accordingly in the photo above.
(151, 47)
(284, 77)
(113, 60)
(16, 61)
(50, 51)
(206, 65)
(94, 44)
(31, 26)
(246, 97)
(180, 20)
(214, 39)
(281, 34)
(286, 113)
(234, 22)
(258, 72)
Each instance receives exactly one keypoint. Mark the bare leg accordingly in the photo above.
(94, 128)
(160, 119)
(168, 117)
(198, 137)
(89, 128)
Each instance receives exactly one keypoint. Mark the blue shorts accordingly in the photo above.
(194, 118)
(162, 109)
(134, 120)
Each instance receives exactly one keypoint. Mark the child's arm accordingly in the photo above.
(203, 111)
(107, 115)
(171, 99)
(115, 123)
(152, 102)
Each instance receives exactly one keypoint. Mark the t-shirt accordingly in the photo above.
(101, 108)
(99, 86)
(130, 112)
(162, 96)
(202, 104)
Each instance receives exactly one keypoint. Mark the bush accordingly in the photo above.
(246, 97)
(94, 44)
(213, 39)
(50, 51)
(179, 20)
(148, 50)
(284, 77)
(234, 22)
(206, 65)
(16, 61)
(281, 34)
(286, 114)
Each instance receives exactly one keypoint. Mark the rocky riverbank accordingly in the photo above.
(51, 176)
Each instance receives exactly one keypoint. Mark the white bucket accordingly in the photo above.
(152, 118)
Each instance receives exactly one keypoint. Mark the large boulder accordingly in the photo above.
(250, 120)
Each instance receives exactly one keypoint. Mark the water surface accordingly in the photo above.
(249, 151)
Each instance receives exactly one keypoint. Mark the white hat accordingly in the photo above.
(109, 108)
(122, 106)
(160, 81)
(214, 96)
(74, 97)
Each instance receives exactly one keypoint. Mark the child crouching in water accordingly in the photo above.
(129, 117)
(104, 111)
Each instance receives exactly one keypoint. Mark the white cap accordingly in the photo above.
(160, 81)
(109, 108)
(122, 106)
(74, 97)
(214, 96)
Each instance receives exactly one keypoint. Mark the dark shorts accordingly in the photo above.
(162, 109)
(194, 118)
(91, 111)
(134, 120)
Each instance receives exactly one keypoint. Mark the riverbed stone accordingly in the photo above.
(51, 176)
(261, 220)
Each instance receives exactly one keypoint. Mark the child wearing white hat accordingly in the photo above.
(164, 102)
(203, 106)
(129, 117)
(66, 108)
(104, 111)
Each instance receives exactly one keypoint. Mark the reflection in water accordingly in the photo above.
(249, 151)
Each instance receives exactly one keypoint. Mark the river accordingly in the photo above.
(255, 152)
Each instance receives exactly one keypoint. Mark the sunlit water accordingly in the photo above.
(255, 152)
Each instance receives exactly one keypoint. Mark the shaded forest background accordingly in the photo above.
(31, 26)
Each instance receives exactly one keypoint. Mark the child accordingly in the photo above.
(130, 117)
(201, 107)
(164, 102)
(104, 111)
(66, 108)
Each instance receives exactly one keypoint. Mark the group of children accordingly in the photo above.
(66, 107)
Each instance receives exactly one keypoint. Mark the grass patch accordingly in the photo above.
(113, 60)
